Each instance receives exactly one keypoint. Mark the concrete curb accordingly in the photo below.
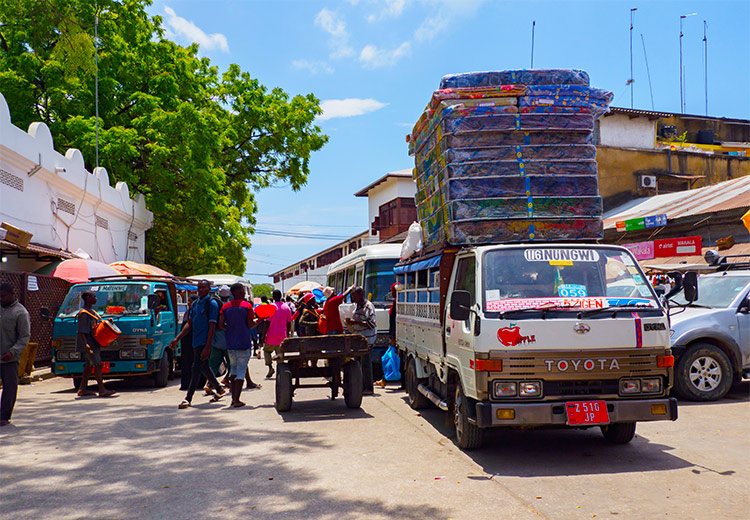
(39, 374)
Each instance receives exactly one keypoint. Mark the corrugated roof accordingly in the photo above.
(36, 248)
(710, 199)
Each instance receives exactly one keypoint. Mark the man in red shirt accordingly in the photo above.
(331, 311)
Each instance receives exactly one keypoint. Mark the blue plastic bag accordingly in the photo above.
(391, 365)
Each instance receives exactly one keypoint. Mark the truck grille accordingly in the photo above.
(69, 343)
(580, 388)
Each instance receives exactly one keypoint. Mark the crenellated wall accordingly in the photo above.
(64, 205)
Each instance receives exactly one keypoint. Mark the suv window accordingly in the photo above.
(717, 291)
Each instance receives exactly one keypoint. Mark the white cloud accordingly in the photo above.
(334, 108)
(443, 14)
(372, 57)
(314, 67)
(390, 9)
(185, 29)
(334, 25)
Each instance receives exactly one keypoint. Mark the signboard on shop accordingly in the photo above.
(641, 250)
(684, 246)
(634, 224)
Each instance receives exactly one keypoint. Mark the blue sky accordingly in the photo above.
(375, 63)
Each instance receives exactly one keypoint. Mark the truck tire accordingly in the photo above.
(77, 382)
(417, 401)
(619, 433)
(161, 376)
(353, 384)
(468, 436)
(284, 390)
(703, 373)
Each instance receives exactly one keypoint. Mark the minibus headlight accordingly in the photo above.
(504, 389)
(630, 386)
(529, 389)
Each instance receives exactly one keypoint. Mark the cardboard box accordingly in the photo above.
(16, 235)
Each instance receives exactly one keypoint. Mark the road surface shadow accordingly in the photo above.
(322, 410)
(118, 459)
(558, 452)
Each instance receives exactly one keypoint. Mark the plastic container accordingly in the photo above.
(346, 311)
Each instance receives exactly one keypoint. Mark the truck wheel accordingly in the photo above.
(416, 400)
(468, 435)
(77, 382)
(703, 373)
(619, 433)
(353, 384)
(161, 376)
(284, 388)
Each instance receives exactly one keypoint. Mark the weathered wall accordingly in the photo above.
(619, 169)
(627, 132)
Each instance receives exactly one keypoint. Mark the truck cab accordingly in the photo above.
(527, 335)
(143, 308)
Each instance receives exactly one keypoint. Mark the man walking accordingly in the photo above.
(279, 328)
(89, 348)
(202, 322)
(15, 330)
(238, 317)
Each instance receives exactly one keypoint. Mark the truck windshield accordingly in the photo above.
(111, 299)
(378, 279)
(583, 278)
(716, 291)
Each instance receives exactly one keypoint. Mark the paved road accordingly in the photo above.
(138, 456)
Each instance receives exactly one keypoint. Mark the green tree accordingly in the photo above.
(262, 289)
(198, 144)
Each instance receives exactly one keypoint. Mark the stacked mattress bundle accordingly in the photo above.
(508, 156)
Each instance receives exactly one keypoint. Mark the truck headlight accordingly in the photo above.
(630, 386)
(126, 354)
(529, 389)
(651, 385)
(74, 356)
(61, 355)
(504, 389)
(139, 353)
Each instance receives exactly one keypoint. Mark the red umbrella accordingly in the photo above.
(78, 270)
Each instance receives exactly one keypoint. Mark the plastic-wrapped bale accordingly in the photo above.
(491, 231)
(510, 186)
(520, 207)
(508, 168)
(515, 77)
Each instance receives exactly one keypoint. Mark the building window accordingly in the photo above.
(66, 206)
(11, 180)
(395, 217)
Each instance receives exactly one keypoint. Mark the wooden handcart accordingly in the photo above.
(335, 357)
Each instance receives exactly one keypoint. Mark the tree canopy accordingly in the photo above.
(196, 142)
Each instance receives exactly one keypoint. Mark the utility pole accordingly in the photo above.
(631, 80)
(705, 62)
(682, 73)
(533, 27)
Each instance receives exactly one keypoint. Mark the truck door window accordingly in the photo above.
(466, 277)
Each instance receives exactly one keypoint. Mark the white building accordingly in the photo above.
(391, 211)
(68, 209)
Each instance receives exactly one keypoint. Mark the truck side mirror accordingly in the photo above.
(676, 276)
(690, 286)
(153, 301)
(460, 305)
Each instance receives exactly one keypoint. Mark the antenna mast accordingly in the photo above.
(533, 27)
(648, 72)
(631, 80)
(705, 62)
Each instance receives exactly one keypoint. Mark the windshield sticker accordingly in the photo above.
(492, 295)
(112, 288)
(578, 303)
(627, 260)
(638, 279)
(556, 255)
(144, 302)
(644, 291)
(633, 269)
(571, 290)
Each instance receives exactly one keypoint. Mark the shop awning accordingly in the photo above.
(185, 287)
(418, 266)
(37, 251)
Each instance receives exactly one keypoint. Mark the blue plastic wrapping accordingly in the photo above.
(515, 77)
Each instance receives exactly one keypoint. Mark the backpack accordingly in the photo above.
(207, 304)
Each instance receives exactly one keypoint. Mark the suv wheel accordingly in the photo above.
(703, 373)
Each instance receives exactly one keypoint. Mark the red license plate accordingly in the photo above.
(105, 367)
(587, 412)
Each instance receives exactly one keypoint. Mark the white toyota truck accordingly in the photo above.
(534, 335)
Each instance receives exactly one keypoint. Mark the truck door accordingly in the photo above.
(743, 327)
(459, 335)
(164, 329)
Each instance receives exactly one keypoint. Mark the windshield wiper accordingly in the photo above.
(698, 305)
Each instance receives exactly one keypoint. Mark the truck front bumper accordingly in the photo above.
(553, 413)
